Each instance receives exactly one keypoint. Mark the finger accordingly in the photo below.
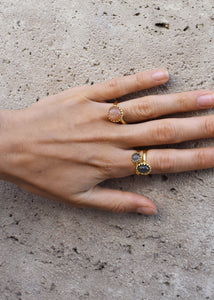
(166, 161)
(121, 86)
(166, 131)
(171, 160)
(117, 201)
(151, 107)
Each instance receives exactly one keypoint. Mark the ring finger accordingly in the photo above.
(166, 161)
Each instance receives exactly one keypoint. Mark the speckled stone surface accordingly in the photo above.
(51, 251)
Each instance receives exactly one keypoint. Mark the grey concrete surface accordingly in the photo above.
(51, 251)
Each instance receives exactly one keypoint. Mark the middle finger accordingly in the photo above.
(151, 107)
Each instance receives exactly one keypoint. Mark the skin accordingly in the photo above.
(63, 146)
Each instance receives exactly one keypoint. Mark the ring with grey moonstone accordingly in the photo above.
(142, 167)
(136, 157)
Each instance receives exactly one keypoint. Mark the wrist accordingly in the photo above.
(7, 128)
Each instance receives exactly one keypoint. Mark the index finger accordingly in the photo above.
(121, 86)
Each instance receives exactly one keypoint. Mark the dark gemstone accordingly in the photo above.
(136, 157)
(143, 169)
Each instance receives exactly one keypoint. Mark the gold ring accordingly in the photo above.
(137, 157)
(115, 114)
(142, 167)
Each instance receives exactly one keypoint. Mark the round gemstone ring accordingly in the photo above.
(136, 157)
(142, 167)
(115, 114)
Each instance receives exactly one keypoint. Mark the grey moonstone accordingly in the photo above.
(143, 169)
(136, 157)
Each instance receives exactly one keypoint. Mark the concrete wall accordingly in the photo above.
(51, 251)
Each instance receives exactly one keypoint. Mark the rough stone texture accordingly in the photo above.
(52, 251)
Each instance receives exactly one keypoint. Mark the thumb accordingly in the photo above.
(118, 201)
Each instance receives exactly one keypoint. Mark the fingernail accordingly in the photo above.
(206, 100)
(147, 211)
(160, 75)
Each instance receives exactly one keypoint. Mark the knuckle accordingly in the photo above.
(183, 100)
(164, 163)
(114, 84)
(144, 109)
(200, 158)
(209, 126)
(165, 132)
(106, 168)
(140, 79)
(119, 207)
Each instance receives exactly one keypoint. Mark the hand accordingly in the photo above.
(63, 146)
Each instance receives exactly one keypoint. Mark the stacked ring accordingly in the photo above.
(142, 167)
(115, 115)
